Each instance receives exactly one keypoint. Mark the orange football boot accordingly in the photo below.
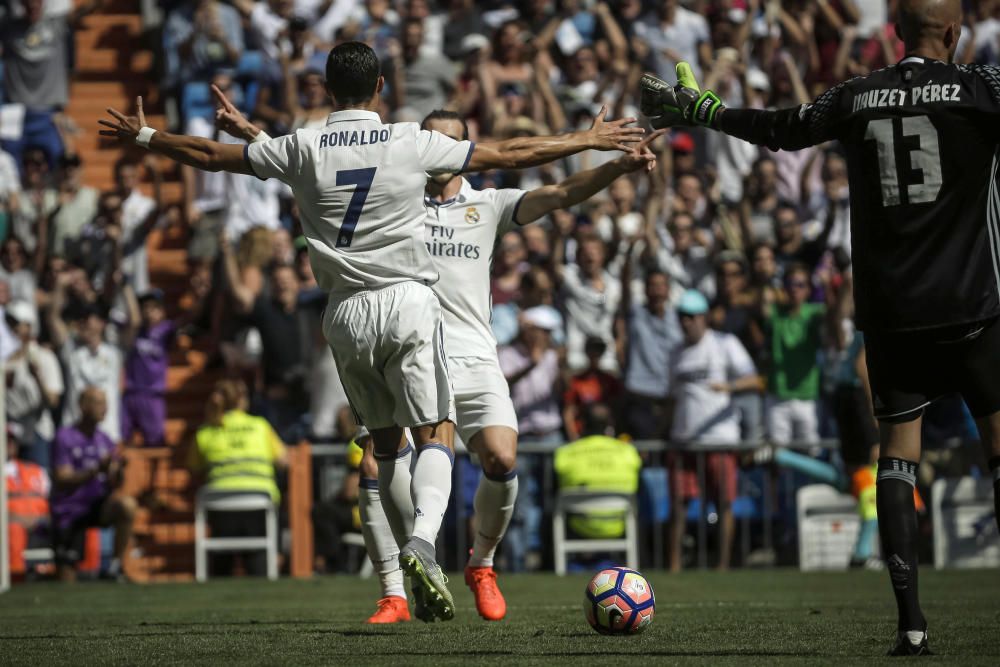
(489, 601)
(392, 609)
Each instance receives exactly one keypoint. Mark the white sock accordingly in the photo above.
(431, 490)
(494, 505)
(394, 481)
(379, 540)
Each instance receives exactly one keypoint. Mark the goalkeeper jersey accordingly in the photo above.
(921, 139)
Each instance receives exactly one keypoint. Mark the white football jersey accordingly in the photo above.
(701, 413)
(359, 186)
(460, 235)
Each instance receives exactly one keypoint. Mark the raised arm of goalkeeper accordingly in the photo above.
(685, 104)
(516, 153)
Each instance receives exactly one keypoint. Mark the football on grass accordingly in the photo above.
(619, 601)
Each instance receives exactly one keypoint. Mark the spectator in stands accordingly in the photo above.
(672, 34)
(794, 340)
(28, 488)
(37, 201)
(509, 266)
(200, 37)
(590, 297)
(736, 311)
(144, 403)
(792, 247)
(36, 60)
(34, 384)
(649, 332)
(88, 358)
(139, 215)
(307, 99)
(531, 367)
(87, 475)
(684, 255)
(99, 248)
(17, 270)
(285, 344)
(588, 387)
(708, 367)
(235, 452)
(420, 82)
(77, 205)
(9, 344)
(598, 462)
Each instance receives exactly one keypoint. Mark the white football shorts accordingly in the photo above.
(389, 347)
(482, 397)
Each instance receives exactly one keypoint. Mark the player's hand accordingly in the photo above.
(682, 104)
(605, 135)
(125, 128)
(229, 119)
(641, 157)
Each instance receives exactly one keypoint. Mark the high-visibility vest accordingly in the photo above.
(599, 463)
(28, 491)
(239, 455)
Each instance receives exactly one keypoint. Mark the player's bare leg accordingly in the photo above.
(727, 528)
(431, 489)
(380, 543)
(897, 474)
(989, 433)
(496, 447)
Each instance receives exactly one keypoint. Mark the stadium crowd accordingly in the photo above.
(707, 301)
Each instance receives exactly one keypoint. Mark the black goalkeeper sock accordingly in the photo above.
(897, 524)
(995, 471)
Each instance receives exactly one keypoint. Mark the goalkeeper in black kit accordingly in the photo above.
(922, 139)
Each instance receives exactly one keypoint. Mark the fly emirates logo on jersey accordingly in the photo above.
(441, 242)
(882, 98)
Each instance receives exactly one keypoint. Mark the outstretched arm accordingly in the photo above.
(582, 186)
(522, 152)
(787, 129)
(193, 151)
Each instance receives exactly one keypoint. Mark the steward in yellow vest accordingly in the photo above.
(239, 454)
(598, 462)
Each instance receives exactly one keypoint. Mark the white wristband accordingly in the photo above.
(145, 134)
(261, 136)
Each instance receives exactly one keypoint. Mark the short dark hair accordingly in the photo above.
(597, 419)
(352, 72)
(444, 114)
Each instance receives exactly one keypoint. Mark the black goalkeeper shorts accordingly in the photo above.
(908, 369)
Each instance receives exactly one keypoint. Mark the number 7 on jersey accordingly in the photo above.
(362, 178)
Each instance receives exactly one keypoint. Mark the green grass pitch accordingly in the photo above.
(743, 617)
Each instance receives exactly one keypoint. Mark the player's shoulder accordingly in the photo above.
(989, 74)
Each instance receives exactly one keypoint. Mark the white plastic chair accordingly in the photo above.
(828, 527)
(209, 500)
(965, 532)
(586, 501)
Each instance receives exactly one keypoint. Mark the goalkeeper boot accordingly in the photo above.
(418, 560)
(905, 644)
(391, 609)
(420, 608)
(482, 581)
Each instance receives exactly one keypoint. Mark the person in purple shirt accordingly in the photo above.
(87, 474)
(144, 405)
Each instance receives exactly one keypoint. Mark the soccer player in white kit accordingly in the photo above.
(462, 228)
(358, 184)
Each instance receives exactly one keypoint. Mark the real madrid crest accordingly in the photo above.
(471, 215)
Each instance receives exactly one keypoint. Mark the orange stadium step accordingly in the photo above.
(114, 64)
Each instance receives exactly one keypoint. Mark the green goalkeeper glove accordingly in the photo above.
(684, 104)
